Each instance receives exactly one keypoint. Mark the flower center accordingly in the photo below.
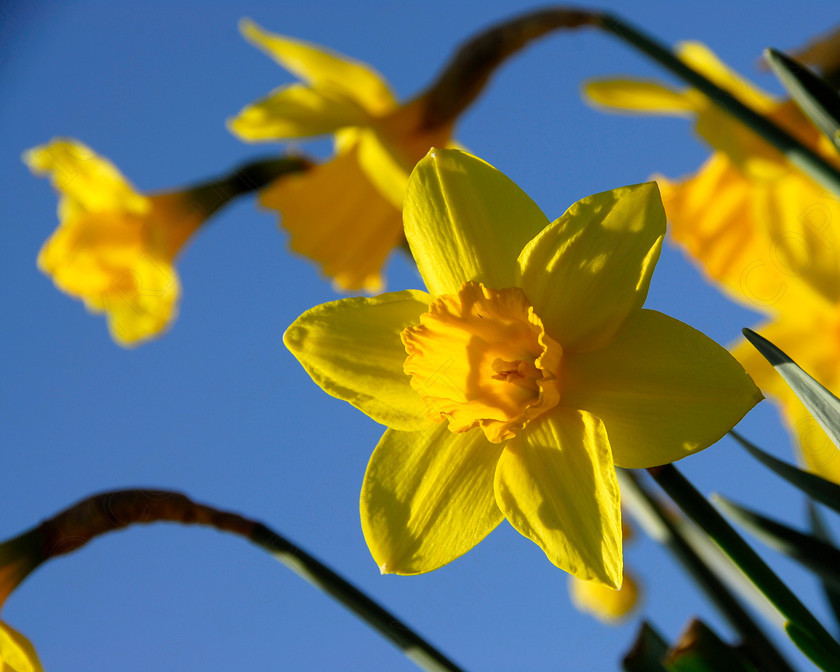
(481, 358)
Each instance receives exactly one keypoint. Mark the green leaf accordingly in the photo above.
(821, 558)
(813, 94)
(821, 532)
(825, 660)
(821, 404)
(647, 652)
(816, 487)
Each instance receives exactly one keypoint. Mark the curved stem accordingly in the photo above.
(110, 511)
(468, 71)
(798, 154)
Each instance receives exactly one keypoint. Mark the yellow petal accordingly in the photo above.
(382, 168)
(556, 485)
(724, 221)
(810, 340)
(16, 652)
(627, 95)
(141, 303)
(296, 111)
(89, 250)
(704, 60)
(322, 68)
(464, 220)
(589, 271)
(89, 181)
(802, 221)
(352, 349)
(607, 605)
(337, 218)
(662, 389)
(428, 497)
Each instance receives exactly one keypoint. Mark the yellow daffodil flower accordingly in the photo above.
(115, 247)
(761, 228)
(343, 214)
(529, 370)
(16, 652)
(607, 605)
(18, 558)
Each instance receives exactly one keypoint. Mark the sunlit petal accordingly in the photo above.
(590, 270)
(556, 484)
(336, 217)
(428, 497)
(662, 389)
(322, 68)
(296, 111)
(352, 349)
(464, 220)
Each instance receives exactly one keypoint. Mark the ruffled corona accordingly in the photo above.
(481, 358)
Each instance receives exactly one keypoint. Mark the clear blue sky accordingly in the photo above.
(220, 410)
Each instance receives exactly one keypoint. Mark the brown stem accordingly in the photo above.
(468, 71)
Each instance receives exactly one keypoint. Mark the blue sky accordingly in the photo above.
(218, 409)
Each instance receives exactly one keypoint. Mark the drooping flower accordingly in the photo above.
(345, 213)
(760, 227)
(18, 558)
(529, 371)
(115, 247)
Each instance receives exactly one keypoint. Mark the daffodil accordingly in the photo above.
(607, 605)
(761, 228)
(18, 558)
(16, 652)
(115, 247)
(528, 371)
(343, 214)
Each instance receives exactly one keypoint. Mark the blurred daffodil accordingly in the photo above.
(761, 228)
(608, 605)
(115, 248)
(604, 603)
(18, 557)
(343, 214)
(530, 370)
(16, 652)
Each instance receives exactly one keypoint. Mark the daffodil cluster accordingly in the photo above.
(758, 226)
(526, 374)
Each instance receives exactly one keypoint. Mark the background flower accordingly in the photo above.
(761, 228)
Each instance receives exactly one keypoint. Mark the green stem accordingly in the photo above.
(798, 154)
(707, 517)
(109, 511)
(659, 525)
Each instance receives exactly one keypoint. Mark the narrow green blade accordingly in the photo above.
(813, 94)
(821, 404)
(821, 558)
(820, 530)
(816, 487)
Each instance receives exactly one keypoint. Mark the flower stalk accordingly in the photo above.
(110, 511)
